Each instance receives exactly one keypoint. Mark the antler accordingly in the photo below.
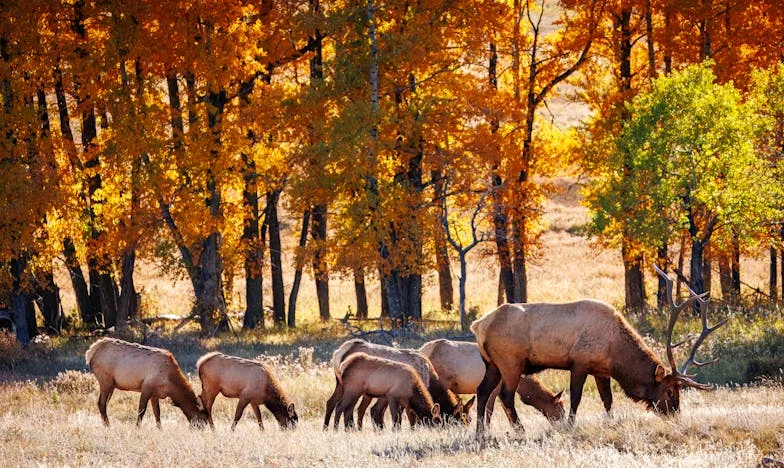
(675, 310)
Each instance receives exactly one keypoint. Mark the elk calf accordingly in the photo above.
(361, 374)
(152, 371)
(461, 369)
(452, 409)
(250, 381)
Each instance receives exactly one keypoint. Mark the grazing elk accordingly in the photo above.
(584, 337)
(399, 384)
(152, 371)
(250, 381)
(460, 368)
(452, 409)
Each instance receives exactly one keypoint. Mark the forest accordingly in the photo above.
(399, 134)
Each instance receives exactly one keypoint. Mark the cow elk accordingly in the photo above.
(461, 369)
(399, 384)
(249, 381)
(452, 409)
(586, 337)
(151, 371)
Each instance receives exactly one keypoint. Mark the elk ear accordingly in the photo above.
(469, 404)
(199, 403)
(436, 410)
(291, 410)
(661, 373)
(558, 398)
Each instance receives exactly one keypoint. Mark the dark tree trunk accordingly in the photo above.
(49, 302)
(725, 277)
(320, 269)
(634, 282)
(661, 287)
(128, 305)
(299, 264)
(445, 289)
(707, 260)
(384, 296)
(520, 277)
(695, 270)
(19, 303)
(361, 292)
(735, 265)
(78, 282)
(254, 255)
(412, 296)
(774, 275)
(276, 262)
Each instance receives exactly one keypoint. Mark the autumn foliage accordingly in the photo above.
(176, 130)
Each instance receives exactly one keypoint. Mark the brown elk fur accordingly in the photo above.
(249, 381)
(450, 405)
(151, 371)
(584, 337)
(461, 369)
(398, 383)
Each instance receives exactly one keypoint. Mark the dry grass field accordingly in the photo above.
(48, 412)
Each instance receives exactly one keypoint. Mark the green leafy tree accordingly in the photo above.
(686, 162)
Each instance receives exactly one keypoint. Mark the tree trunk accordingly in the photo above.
(634, 281)
(361, 293)
(725, 277)
(707, 260)
(19, 302)
(661, 288)
(695, 270)
(519, 272)
(49, 302)
(462, 292)
(276, 262)
(299, 264)
(320, 268)
(445, 290)
(254, 249)
(774, 276)
(77, 279)
(384, 296)
(735, 265)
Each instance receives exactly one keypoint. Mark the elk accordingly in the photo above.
(152, 371)
(451, 407)
(461, 369)
(398, 383)
(584, 337)
(252, 382)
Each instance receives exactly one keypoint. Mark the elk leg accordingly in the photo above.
(103, 400)
(412, 417)
(145, 397)
(377, 412)
(603, 386)
(363, 404)
(333, 400)
(208, 396)
(508, 399)
(396, 414)
(491, 404)
(156, 410)
(489, 383)
(348, 411)
(576, 382)
(238, 413)
(257, 412)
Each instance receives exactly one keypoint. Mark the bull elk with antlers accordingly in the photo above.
(586, 337)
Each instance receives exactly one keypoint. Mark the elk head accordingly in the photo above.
(665, 397)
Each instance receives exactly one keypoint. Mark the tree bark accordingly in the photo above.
(661, 287)
(735, 265)
(707, 273)
(320, 268)
(634, 283)
(299, 264)
(445, 290)
(725, 277)
(19, 304)
(361, 292)
(276, 262)
(773, 287)
(254, 254)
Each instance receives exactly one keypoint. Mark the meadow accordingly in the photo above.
(48, 414)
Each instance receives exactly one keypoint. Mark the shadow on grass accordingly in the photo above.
(463, 444)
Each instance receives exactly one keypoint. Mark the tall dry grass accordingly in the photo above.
(56, 423)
